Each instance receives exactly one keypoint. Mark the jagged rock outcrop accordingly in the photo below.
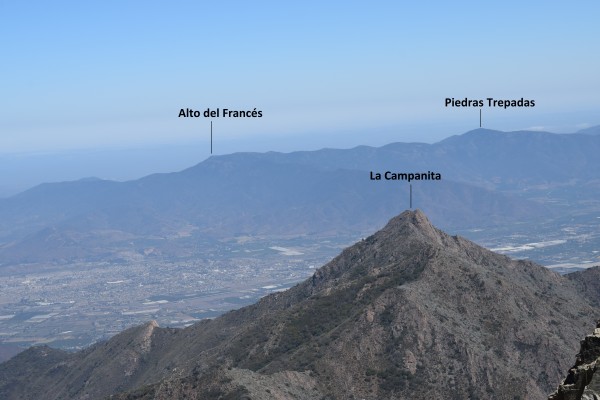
(583, 379)
(407, 313)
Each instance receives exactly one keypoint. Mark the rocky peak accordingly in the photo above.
(415, 220)
(583, 379)
(408, 312)
(145, 336)
(404, 239)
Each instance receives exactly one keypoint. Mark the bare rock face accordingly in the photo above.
(583, 379)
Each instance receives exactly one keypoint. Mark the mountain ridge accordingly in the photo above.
(325, 192)
(407, 312)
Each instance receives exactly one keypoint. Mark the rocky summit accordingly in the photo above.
(407, 313)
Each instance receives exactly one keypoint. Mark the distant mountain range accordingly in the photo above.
(488, 177)
(409, 312)
(594, 130)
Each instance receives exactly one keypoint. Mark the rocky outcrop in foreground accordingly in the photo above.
(583, 379)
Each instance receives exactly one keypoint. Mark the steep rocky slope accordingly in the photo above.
(409, 312)
(588, 283)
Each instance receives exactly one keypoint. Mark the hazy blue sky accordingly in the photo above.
(115, 73)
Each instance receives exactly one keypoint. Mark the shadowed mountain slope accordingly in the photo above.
(409, 312)
(588, 283)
